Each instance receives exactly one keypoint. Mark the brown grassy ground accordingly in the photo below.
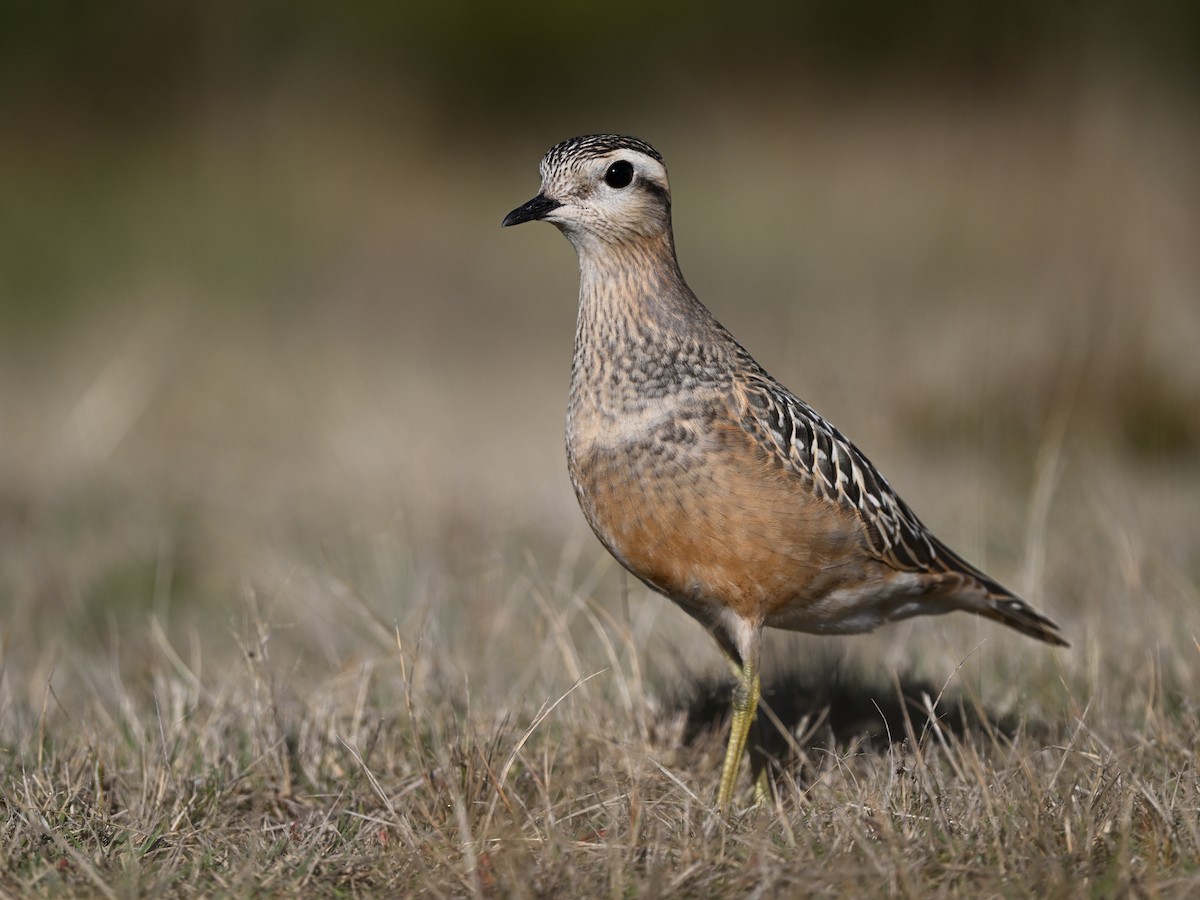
(296, 597)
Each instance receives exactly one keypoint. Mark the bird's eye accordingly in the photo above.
(619, 174)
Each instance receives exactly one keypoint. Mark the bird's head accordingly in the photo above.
(602, 189)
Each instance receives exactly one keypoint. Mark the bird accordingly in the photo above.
(705, 477)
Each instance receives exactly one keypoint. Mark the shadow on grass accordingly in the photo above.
(830, 708)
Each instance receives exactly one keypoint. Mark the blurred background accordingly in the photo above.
(263, 342)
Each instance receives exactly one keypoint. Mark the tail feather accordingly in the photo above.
(1016, 613)
(1002, 605)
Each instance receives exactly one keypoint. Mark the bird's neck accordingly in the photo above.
(634, 293)
(639, 328)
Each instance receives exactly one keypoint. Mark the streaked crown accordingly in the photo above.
(574, 152)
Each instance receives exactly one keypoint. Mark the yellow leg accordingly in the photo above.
(745, 705)
(762, 788)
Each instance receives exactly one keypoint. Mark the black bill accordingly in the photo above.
(537, 208)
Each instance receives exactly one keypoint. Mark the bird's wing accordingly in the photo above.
(838, 472)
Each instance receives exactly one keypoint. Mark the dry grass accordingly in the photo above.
(297, 600)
